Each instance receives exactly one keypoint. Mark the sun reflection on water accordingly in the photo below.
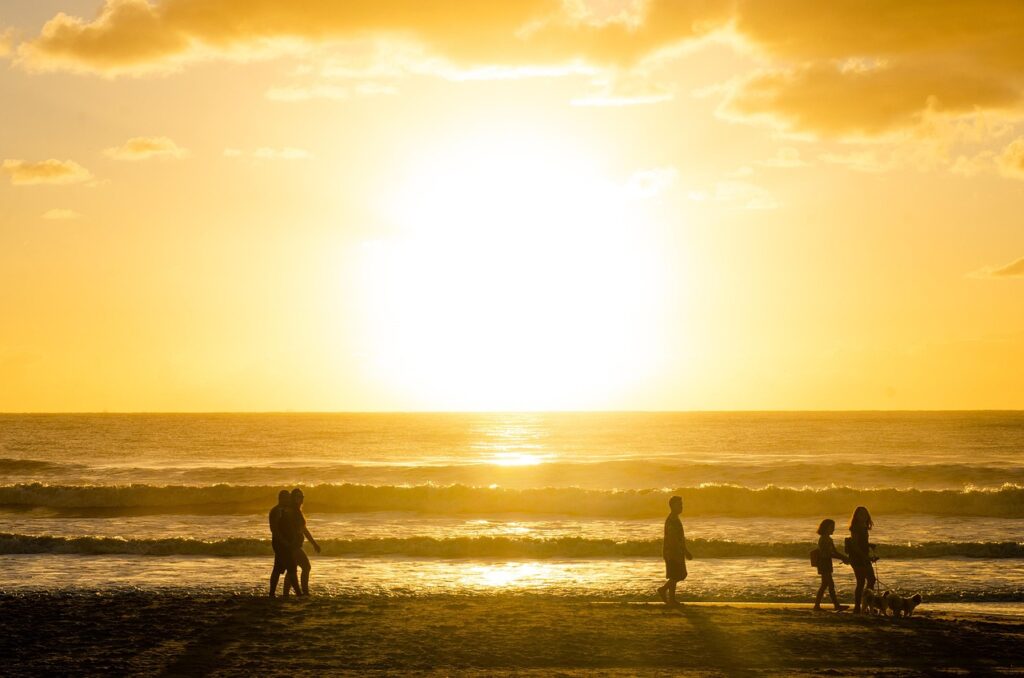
(508, 575)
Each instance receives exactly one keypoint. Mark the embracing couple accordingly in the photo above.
(288, 531)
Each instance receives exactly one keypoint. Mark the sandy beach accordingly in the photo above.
(135, 633)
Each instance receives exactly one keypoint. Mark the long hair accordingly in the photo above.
(827, 525)
(861, 517)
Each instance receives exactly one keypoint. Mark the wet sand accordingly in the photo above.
(131, 633)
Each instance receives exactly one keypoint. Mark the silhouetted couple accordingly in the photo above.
(674, 551)
(858, 551)
(288, 531)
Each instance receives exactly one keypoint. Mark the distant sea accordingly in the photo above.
(562, 504)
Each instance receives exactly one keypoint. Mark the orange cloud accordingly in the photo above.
(60, 214)
(832, 100)
(1011, 161)
(863, 68)
(51, 171)
(134, 35)
(6, 42)
(143, 148)
(1014, 269)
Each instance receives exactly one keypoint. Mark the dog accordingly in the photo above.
(902, 606)
(874, 602)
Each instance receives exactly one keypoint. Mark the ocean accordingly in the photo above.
(559, 504)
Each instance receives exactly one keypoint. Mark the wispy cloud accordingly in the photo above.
(6, 41)
(330, 91)
(52, 171)
(650, 183)
(1014, 269)
(1011, 161)
(737, 194)
(870, 161)
(60, 214)
(785, 158)
(144, 148)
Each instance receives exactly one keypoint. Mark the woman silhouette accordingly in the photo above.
(858, 548)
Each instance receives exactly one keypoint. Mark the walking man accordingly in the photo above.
(284, 558)
(674, 551)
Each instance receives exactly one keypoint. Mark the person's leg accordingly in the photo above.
(275, 575)
(832, 592)
(291, 578)
(821, 592)
(859, 592)
(280, 565)
(672, 591)
(303, 562)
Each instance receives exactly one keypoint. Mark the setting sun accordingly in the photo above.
(515, 276)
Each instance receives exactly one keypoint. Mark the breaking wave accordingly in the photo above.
(622, 474)
(723, 500)
(480, 547)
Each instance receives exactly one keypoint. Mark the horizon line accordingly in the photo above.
(464, 412)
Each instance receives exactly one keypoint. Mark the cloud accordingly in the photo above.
(60, 214)
(830, 100)
(144, 148)
(1014, 269)
(625, 90)
(650, 183)
(330, 91)
(50, 171)
(785, 158)
(267, 153)
(132, 36)
(1011, 161)
(870, 161)
(875, 66)
(866, 68)
(6, 42)
(737, 194)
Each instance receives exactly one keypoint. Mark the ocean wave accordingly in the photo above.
(621, 474)
(724, 500)
(12, 466)
(480, 547)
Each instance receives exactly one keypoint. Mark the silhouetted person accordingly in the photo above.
(298, 532)
(826, 552)
(282, 541)
(674, 551)
(858, 548)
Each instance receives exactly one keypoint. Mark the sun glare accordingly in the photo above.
(518, 277)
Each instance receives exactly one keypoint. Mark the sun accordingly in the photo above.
(517, 278)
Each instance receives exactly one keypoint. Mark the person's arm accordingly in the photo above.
(316, 547)
(682, 538)
(840, 556)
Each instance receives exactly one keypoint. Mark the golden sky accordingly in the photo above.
(511, 204)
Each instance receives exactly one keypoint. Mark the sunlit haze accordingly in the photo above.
(542, 205)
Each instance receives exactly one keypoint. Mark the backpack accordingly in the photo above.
(815, 558)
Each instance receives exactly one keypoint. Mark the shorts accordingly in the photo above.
(675, 569)
(284, 558)
(825, 567)
(865, 571)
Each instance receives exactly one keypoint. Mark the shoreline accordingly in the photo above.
(142, 632)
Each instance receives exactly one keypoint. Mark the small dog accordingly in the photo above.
(873, 602)
(902, 606)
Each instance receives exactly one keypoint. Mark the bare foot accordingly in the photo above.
(663, 594)
(840, 608)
